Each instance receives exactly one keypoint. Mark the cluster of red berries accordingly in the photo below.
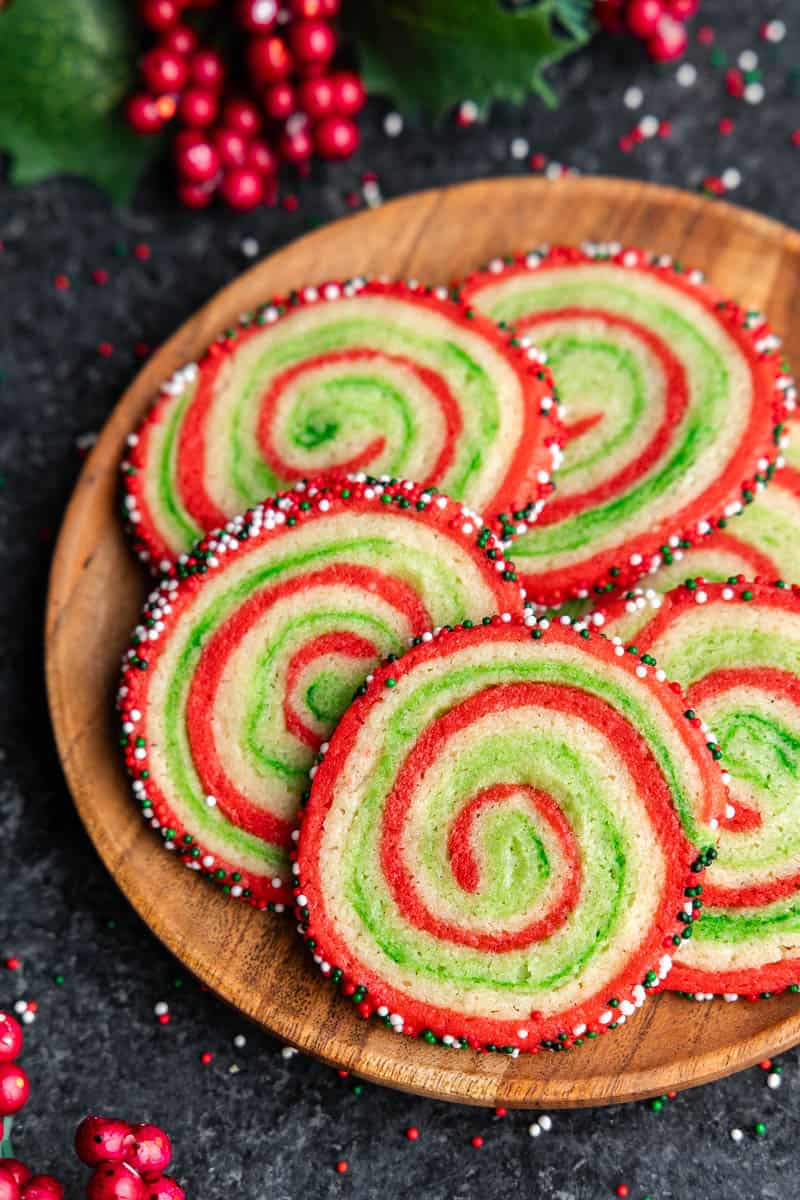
(17, 1181)
(129, 1160)
(288, 105)
(659, 23)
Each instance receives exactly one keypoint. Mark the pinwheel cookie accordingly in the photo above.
(383, 377)
(244, 659)
(675, 400)
(736, 648)
(500, 837)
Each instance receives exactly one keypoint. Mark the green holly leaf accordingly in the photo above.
(435, 53)
(65, 67)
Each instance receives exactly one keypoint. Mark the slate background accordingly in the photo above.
(275, 1128)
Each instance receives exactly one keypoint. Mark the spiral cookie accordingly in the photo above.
(761, 541)
(675, 401)
(735, 646)
(493, 853)
(244, 660)
(385, 377)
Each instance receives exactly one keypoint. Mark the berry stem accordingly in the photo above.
(6, 1148)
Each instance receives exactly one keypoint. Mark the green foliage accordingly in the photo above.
(65, 67)
(431, 54)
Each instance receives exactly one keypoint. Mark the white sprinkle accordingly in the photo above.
(239, 1041)
(731, 177)
(775, 31)
(736, 1135)
(633, 97)
(648, 126)
(535, 1129)
(161, 1008)
(393, 124)
(773, 1080)
(546, 1123)
(519, 148)
(754, 93)
(249, 247)
(748, 60)
(211, 801)
(686, 74)
(288, 1052)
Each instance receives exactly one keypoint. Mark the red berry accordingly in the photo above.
(181, 39)
(348, 93)
(165, 1188)
(669, 42)
(231, 147)
(295, 146)
(160, 15)
(116, 1181)
(198, 107)
(9, 1188)
(269, 60)
(279, 102)
(258, 16)
(241, 188)
(197, 161)
(14, 1088)
(261, 157)
(208, 69)
(102, 1139)
(17, 1168)
(312, 42)
(163, 70)
(316, 97)
(150, 1153)
(242, 116)
(10, 1037)
(609, 14)
(307, 10)
(643, 17)
(682, 10)
(336, 137)
(198, 195)
(43, 1187)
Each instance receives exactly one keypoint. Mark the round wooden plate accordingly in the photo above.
(254, 960)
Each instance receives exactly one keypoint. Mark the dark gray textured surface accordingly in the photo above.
(274, 1128)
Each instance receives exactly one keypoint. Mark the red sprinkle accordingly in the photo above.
(105, 349)
(206, 1057)
(13, 963)
(477, 1141)
(725, 126)
(163, 1019)
(664, 129)
(621, 1189)
(796, 137)
(341, 1166)
(100, 276)
(705, 35)
(500, 1112)
(537, 162)
(766, 1064)
(61, 282)
(290, 203)
(412, 1133)
(142, 251)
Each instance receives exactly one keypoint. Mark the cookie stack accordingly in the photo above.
(413, 667)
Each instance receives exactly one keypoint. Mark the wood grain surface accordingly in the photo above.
(254, 960)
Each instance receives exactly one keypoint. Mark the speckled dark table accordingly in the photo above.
(252, 1123)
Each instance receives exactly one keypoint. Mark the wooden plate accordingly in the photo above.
(255, 960)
